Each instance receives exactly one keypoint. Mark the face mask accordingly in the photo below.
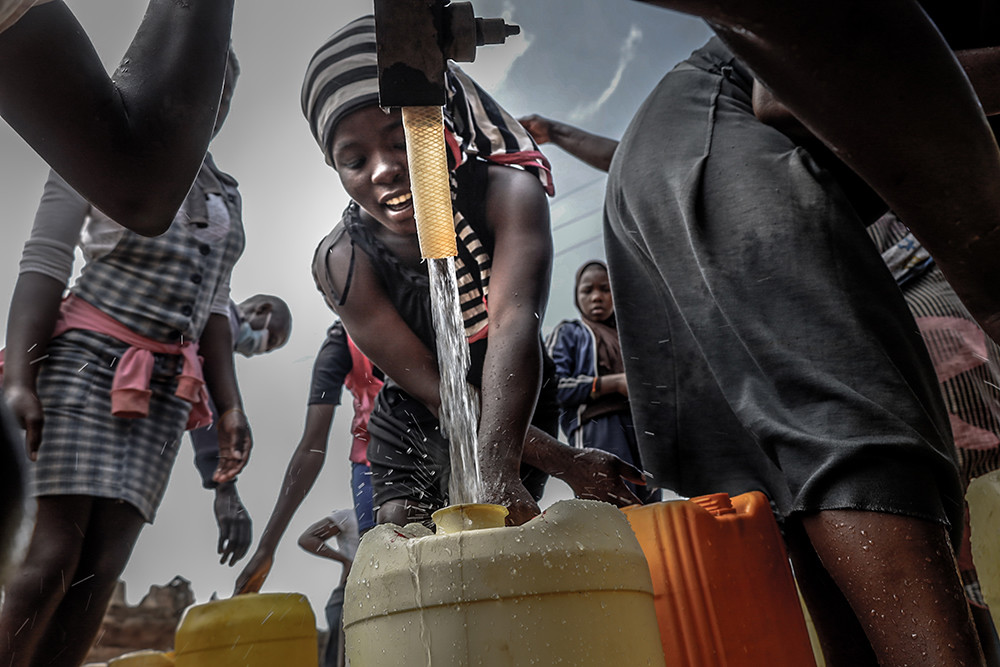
(251, 341)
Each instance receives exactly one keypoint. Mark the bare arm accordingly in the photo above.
(313, 539)
(300, 475)
(520, 275)
(131, 144)
(591, 473)
(593, 149)
(216, 346)
(32, 317)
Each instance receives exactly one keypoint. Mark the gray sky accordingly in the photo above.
(589, 62)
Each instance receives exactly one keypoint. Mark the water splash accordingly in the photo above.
(459, 401)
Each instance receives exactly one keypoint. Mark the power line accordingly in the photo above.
(563, 195)
(574, 220)
(584, 242)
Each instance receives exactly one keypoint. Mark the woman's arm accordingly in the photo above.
(518, 215)
(132, 144)
(379, 331)
(34, 308)
(46, 266)
(235, 442)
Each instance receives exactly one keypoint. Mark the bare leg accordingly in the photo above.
(842, 638)
(38, 586)
(111, 534)
(899, 576)
(906, 120)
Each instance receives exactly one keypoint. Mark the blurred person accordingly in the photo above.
(258, 325)
(113, 138)
(105, 382)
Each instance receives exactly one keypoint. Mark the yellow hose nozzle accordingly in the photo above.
(429, 182)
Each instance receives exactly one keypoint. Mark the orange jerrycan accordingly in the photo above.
(722, 585)
(251, 630)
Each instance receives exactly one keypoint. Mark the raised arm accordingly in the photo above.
(132, 144)
(593, 149)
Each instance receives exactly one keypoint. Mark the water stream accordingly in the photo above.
(459, 400)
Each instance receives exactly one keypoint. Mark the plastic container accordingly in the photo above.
(983, 497)
(570, 587)
(148, 658)
(723, 587)
(251, 630)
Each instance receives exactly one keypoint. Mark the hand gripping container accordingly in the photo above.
(251, 630)
(723, 587)
(570, 587)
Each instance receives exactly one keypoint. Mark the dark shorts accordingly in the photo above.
(409, 455)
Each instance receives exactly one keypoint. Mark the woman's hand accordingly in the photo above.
(24, 404)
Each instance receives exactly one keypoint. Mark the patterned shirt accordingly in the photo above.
(165, 287)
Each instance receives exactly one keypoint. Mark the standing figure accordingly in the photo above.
(258, 325)
(106, 381)
(592, 391)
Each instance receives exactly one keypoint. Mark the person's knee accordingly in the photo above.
(402, 511)
(393, 511)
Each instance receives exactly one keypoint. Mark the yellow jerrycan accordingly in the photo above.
(983, 497)
(251, 630)
(147, 658)
(570, 587)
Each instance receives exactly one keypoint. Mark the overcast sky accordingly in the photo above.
(588, 62)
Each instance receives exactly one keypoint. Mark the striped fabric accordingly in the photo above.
(343, 77)
(966, 361)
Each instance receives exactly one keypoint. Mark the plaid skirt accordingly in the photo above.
(87, 451)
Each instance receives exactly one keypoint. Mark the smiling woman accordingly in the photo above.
(370, 272)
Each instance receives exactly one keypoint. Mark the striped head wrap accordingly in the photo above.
(342, 77)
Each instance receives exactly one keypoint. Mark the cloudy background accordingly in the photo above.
(591, 63)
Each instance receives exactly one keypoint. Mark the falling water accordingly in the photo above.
(459, 401)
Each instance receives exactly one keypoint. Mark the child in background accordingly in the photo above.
(593, 394)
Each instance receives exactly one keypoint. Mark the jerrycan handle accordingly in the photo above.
(716, 504)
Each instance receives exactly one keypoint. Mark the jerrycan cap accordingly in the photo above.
(716, 503)
(468, 516)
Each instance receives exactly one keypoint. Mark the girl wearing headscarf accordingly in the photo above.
(592, 393)
(370, 271)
